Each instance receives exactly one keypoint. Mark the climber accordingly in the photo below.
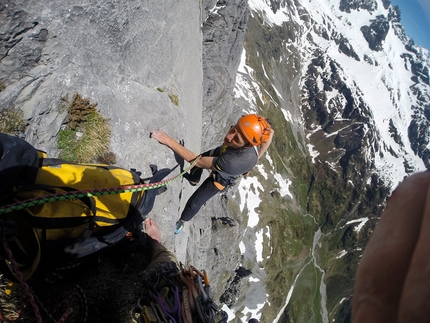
(244, 144)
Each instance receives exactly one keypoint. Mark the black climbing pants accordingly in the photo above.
(200, 197)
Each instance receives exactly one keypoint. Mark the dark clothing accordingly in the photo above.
(232, 163)
(229, 163)
(19, 163)
(200, 197)
(160, 255)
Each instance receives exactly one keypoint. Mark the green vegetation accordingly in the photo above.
(293, 222)
(173, 97)
(87, 134)
(11, 121)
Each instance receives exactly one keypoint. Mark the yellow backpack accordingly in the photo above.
(50, 207)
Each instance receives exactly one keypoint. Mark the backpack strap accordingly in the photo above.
(53, 223)
(15, 261)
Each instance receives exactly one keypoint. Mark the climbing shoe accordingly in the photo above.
(194, 175)
(179, 226)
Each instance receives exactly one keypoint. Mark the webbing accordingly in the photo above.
(93, 192)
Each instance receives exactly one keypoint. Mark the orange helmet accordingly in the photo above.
(254, 128)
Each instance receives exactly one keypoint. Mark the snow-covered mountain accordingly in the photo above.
(348, 95)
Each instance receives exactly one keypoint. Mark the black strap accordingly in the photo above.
(135, 218)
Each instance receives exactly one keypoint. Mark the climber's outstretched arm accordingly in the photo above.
(188, 155)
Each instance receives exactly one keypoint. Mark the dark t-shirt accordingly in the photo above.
(232, 163)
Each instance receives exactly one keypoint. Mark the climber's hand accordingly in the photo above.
(160, 136)
(393, 277)
(152, 230)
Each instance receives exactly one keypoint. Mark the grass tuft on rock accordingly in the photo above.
(174, 99)
(86, 136)
(11, 121)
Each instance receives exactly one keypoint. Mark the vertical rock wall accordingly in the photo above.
(120, 55)
(223, 36)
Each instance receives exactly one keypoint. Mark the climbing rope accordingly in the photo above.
(76, 292)
(21, 279)
(90, 193)
(32, 298)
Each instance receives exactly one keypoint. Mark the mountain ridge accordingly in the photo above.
(350, 90)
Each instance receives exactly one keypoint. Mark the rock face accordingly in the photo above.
(121, 55)
(112, 53)
(117, 55)
(223, 35)
(376, 32)
(349, 5)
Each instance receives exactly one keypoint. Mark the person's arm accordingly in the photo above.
(160, 253)
(393, 278)
(188, 155)
(265, 146)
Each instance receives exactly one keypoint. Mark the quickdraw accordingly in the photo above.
(198, 294)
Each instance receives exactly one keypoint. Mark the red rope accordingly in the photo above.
(65, 315)
(24, 284)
